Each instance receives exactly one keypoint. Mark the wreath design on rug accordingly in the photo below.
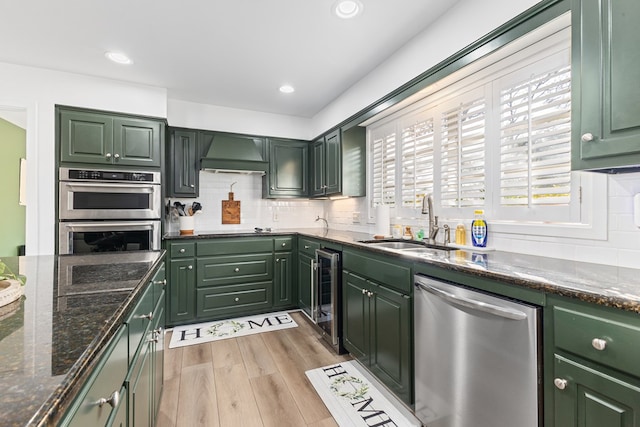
(349, 387)
(226, 328)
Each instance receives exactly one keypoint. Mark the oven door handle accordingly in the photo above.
(128, 226)
(100, 187)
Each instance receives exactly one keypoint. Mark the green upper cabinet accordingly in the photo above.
(288, 169)
(605, 90)
(338, 164)
(109, 139)
(182, 163)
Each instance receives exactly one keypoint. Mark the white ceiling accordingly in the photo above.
(233, 53)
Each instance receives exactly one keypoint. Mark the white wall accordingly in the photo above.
(211, 117)
(37, 91)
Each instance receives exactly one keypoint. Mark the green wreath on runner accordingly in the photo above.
(358, 391)
(216, 331)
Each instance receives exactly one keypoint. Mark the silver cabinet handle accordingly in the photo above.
(277, 259)
(160, 282)
(153, 340)
(190, 267)
(192, 185)
(237, 299)
(599, 344)
(364, 291)
(284, 244)
(183, 250)
(108, 155)
(157, 331)
(369, 294)
(145, 316)
(272, 187)
(307, 246)
(113, 400)
(560, 383)
(587, 137)
(236, 270)
(116, 156)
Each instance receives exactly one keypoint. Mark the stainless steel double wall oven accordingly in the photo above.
(108, 210)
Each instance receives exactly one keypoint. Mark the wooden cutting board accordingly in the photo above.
(231, 211)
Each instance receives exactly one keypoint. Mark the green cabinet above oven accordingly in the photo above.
(102, 138)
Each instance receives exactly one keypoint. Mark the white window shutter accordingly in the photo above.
(417, 153)
(383, 168)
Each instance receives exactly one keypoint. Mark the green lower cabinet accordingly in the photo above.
(586, 397)
(377, 331)
(282, 280)
(182, 288)
(230, 300)
(304, 282)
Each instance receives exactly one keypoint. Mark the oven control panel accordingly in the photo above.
(67, 174)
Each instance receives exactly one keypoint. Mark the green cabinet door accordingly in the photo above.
(355, 321)
(282, 280)
(182, 294)
(182, 164)
(586, 397)
(85, 137)
(332, 163)
(318, 168)
(605, 89)
(390, 332)
(158, 358)
(136, 142)
(288, 169)
(141, 391)
(304, 282)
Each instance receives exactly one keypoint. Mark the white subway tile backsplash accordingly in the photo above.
(629, 258)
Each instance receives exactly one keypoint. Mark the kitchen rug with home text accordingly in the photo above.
(230, 328)
(354, 399)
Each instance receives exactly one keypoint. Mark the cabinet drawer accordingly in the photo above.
(245, 245)
(139, 320)
(182, 250)
(394, 275)
(308, 246)
(233, 299)
(576, 331)
(283, 244)
(106, 379)
(225, 270)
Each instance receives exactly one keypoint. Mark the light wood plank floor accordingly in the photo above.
(257, 380)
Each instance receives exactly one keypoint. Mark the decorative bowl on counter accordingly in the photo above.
(11, 291)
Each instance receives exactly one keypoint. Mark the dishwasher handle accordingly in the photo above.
(473, 304)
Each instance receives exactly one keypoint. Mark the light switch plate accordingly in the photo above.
(636, 210)
(355, 218)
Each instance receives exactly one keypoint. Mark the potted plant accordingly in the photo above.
(11, 285)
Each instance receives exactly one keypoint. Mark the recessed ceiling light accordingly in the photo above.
(287, 89)
(118, 57)
(346, 9)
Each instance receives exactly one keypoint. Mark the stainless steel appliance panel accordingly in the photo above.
(476, 358)
(84, 237)
(326, 296)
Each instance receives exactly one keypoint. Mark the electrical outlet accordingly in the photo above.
(275, 216)
(355, 218)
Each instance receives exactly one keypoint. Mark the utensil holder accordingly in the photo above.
(186, 224)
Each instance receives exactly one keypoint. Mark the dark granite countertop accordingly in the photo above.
(72, 306)
(606, 285)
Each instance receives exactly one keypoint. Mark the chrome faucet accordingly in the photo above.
(326, 224)
(427, 208)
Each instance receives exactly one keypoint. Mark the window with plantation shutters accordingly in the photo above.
(417, 149)
(535, 140)
(462, 164)
(383, 154)
(496, 137)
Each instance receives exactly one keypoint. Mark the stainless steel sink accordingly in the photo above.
(406, 245)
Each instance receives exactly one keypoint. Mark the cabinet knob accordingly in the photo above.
(192, 186)
(560, 383)
(108, 155)
(160, 282)
(369, 294)
(599, 344)
(237, 299)
(116, 156)
(113, 400)
(307, 246)
(153, 340)
(587, 137)
(145, 316)
(183, 250)
(190, 267)
(364, 291)
(236, 269)
(273, 188)
(284, 244)
(277, 259)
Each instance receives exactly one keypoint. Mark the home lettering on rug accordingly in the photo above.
(282, 320)
(356, 390)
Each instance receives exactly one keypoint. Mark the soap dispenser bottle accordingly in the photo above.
(479, 229)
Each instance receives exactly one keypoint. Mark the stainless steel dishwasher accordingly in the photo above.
(476, 357)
